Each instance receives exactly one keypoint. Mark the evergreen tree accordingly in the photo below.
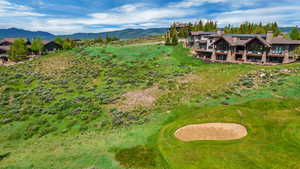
(297, 52)
(108, 38)
(174, 39)
(18, 50)
(37, 45)
(67, 44)
(59, 40)
(295, 34)
(99, 40)
(250, 28)
(167, 39)
(114, 38)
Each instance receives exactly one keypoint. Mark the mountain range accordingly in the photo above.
(122, 34)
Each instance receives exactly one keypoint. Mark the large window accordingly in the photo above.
(277, 49)
(222, 46)
(255, 48)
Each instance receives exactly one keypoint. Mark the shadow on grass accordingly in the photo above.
(5, 155)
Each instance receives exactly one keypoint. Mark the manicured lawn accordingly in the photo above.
(272, 142)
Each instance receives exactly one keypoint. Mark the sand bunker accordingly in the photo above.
(211, 131)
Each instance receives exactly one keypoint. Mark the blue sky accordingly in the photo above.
(71, 16)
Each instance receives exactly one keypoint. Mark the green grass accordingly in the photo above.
(272, 128)
(60, 111)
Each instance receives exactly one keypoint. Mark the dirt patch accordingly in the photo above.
(54, 65)
(144, 98)
(211, 131)
(188, 78)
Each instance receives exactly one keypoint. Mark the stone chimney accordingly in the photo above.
(220, 32)
(269, 36)
(234, 39)
(280, 35)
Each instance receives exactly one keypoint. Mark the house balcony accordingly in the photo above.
(221, 52)
(239, 52)
(276, 55)
(202, 50)
(254, 53)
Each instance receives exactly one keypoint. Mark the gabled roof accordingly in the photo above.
(181, 25)
(247, 35)
(12, 40)
(282, 40)
(231, 41)
(262, 40)
(45, 42)
(201, 41)
(202, 33)
(239, 35)
(4, 48)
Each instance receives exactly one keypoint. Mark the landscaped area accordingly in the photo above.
(116, 107)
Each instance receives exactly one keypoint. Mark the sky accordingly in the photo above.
(73, 16)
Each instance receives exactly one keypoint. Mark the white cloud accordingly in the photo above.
(143, 15)
(286, 15)
(193, 3)
(127, 14)
(8, 9)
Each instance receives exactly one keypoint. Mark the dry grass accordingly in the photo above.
(139, 98)
(54, 65)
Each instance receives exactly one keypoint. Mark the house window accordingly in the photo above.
(222, 46)
(255, 48)
(277, 49)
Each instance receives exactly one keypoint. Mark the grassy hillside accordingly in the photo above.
(117, 107)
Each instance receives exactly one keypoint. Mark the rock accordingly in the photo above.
(263, 75)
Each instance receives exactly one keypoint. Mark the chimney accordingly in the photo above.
(234, 39)
(220, 32)
(281, 36)
(269, 36)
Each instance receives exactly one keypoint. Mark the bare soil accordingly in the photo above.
(137, 98)
(211, 131)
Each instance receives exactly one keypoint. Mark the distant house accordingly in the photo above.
(243, 48)
(179, 26)
(4, 54)
(51, 46)
(10, 41)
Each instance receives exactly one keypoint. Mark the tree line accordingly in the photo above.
(253, 28)
(295, 34)
(19, 50)
(174, 33)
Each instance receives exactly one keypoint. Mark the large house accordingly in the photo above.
(243, 48)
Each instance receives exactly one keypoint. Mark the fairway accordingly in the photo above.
(273, 140)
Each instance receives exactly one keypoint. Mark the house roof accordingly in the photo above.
(5, 48)
(247, 35)
(12, 40)
(202, 33)
(201, 41)
(45, 42)
(181, 25)
(260, 39)
(234, 41)
(282, 40)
